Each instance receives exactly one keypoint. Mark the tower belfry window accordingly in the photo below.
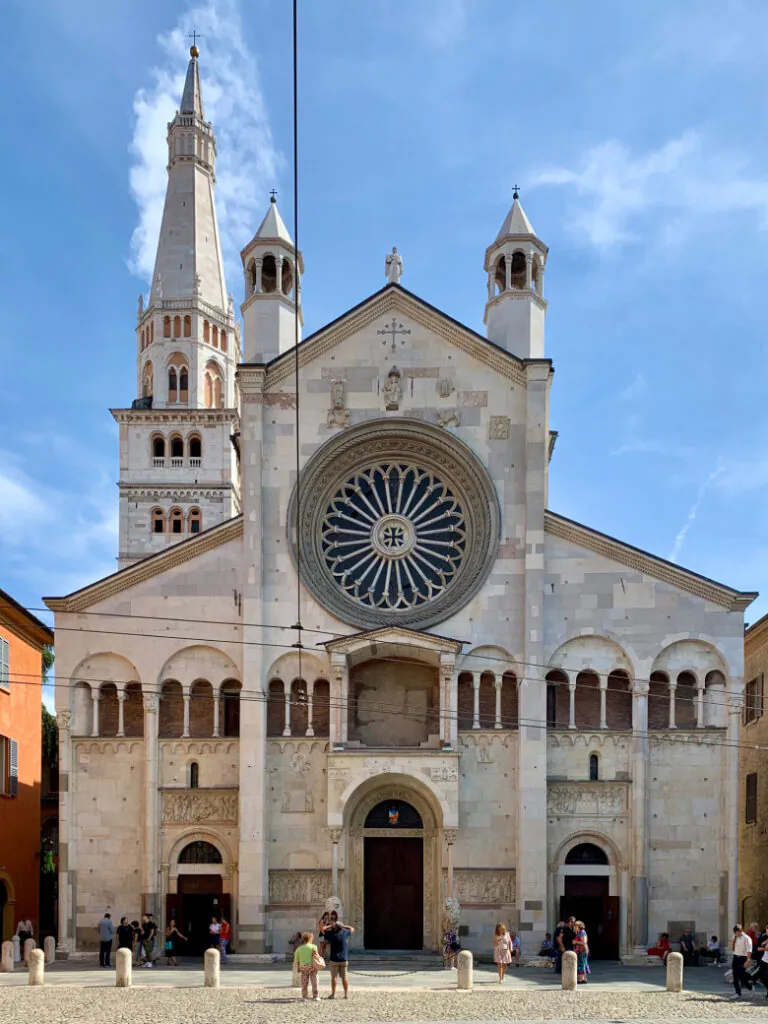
(269, 274)
(518, 270)
(287, 282)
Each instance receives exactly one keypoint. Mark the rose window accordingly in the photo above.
(397, 524)
(393, 536)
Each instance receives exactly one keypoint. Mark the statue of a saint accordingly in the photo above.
(338, 415)
(393, 266)
(140, 313)
(231, 305)
(337, 394)
(159, 286)
(393, 389)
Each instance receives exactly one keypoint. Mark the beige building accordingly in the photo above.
(753, 791)
(485, 700)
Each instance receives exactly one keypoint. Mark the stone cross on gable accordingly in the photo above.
(394, 328)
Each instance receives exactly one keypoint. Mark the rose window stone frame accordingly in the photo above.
(422, 566)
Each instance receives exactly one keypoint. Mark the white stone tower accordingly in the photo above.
(178, 466)
(516, 309)
(272, 290)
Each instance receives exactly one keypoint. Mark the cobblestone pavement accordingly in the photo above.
(73, 1004)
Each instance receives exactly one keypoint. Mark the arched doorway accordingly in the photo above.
(199, 894)
(393, 899)
(587, 896)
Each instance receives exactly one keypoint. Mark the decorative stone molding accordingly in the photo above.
(618, 740)
(451, 835)
(444, 773)
(448, 417)
(483, 886)
(108, 745)
(197, 806)
(377, 766)
(587, 799)
(183, 748)
(428, 450)
(711, 736)
(300, 888)
(499, 428)
(297, 745)
(64, 719)
(335, 835)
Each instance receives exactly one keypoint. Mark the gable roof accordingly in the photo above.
(393, 298)
(146, 568)
(23, 624)
(650, 565)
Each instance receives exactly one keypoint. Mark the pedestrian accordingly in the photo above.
(753, 933)
(742, 954)
(763, 964)
(124, 934)
(451, 946)
(214, 934)
(106, 935)
(502, 946)
(138, 948)
(308, 960)
(557, 942)
(148, 934)
(581, 949)
(24, 930)
(689, 949)
(225, 934)
(172, 936)
(322, 924)
(514, 939)
(338, 936)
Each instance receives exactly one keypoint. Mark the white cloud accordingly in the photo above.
(694, 511)
(635, 390)
(247, 163)
(684, 182)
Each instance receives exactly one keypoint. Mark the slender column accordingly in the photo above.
(541, 281)
(571, 704)
(216, 711)
(185, 732)
(259, 263)
(287, 727)
(476, 700)
(151, 886)
(700, 706)
(336, 834)
(529, 270)
(507, 271)
(344, 709)
(310, 695)
(491, 282)
(66, 859)
(95, 721)
(672, 693)
(450, 838)
(120, 713)
(497, 683)
(279, 264)
(603, 701)
(338, 671)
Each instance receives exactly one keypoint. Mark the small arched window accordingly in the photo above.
(152, 332)
(195, 520)
(177, 448)
(215, 336)
(187, 326)
(146, 380)
(183, 384)
(269, 274)
(223, 341)
(194, 775)
(172, 384)
(200, 852)
(166, 327)
(158, 520)
(287, 282)
(177, 520)
(195, 447)
(143, 339)
(158, 447)
(500, 276)
(594, 768)
(213, 396)
(206, 331)
(177, 327)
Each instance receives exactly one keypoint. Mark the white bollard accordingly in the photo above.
(123, 968)
(36, 966)
(6, 959)
(49, 949)
(16, 949)
(212, 969)
(569, 970)
(295, 976)
(465, 969)
(674, 972)
(29, 945)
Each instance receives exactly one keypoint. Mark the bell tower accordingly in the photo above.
(516, 309)
(272, 270)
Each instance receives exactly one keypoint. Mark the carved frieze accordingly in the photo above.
(192, 807)
(444, 773)
(449, 417)
(499, 428)
(299, 887)
(484, 886)
(587, 799)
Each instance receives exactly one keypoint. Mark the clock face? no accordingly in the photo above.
(398, 524)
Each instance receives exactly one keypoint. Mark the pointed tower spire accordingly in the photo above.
(192, 98)
(515, 310)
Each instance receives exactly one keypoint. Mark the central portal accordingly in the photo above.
(393, 877)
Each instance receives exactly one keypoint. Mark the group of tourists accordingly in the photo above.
(309, 958)
(142, 939)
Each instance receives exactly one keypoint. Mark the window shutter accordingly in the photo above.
(760, 692)
(13, 769)
(4, 662)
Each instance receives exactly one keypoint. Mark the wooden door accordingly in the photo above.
(586, 898)
(394, 893)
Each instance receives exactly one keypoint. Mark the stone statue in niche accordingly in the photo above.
(393, 389)
(338, 415)
(449, 418)
(499, 428)
(140, 312)
(445, 387)
(159, 286)
(393, 266)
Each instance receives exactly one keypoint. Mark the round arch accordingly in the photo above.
(360, 797)
(198, 835)
(8, 909)
(199, 661)
(691, 654)
(598, 839)
(288, 667)
(489, 658)
(599, 652)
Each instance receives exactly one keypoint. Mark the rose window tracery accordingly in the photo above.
(398, 524)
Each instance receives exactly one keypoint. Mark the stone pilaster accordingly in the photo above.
(151, 865)
(639, 865)
(67, 876)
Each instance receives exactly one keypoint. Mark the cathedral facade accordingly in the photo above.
(485, 700)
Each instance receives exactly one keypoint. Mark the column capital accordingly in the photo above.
(476, 680)
(336, 835)
(151, 702)
(64, 719)
(451, 835)
(497, 682)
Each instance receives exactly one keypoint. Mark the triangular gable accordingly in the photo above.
(649, 565)
(146, 568)
(395, 299)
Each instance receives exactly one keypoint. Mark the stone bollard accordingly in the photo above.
(212, 969)
(674, 972)
(29, 945)
(6, 960)
(49, 949)
(36, 966)
(295, 976)
(465, 969)
(123, 968)
(569, 970)
(16, 949)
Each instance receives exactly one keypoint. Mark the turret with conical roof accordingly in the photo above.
(515, 310)
(272, 268)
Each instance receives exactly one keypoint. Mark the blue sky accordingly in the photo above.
(638, 135)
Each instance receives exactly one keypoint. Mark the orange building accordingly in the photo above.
(22, 638)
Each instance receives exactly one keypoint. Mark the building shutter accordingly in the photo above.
(13, 769)
(760, 692)
(4, 674)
